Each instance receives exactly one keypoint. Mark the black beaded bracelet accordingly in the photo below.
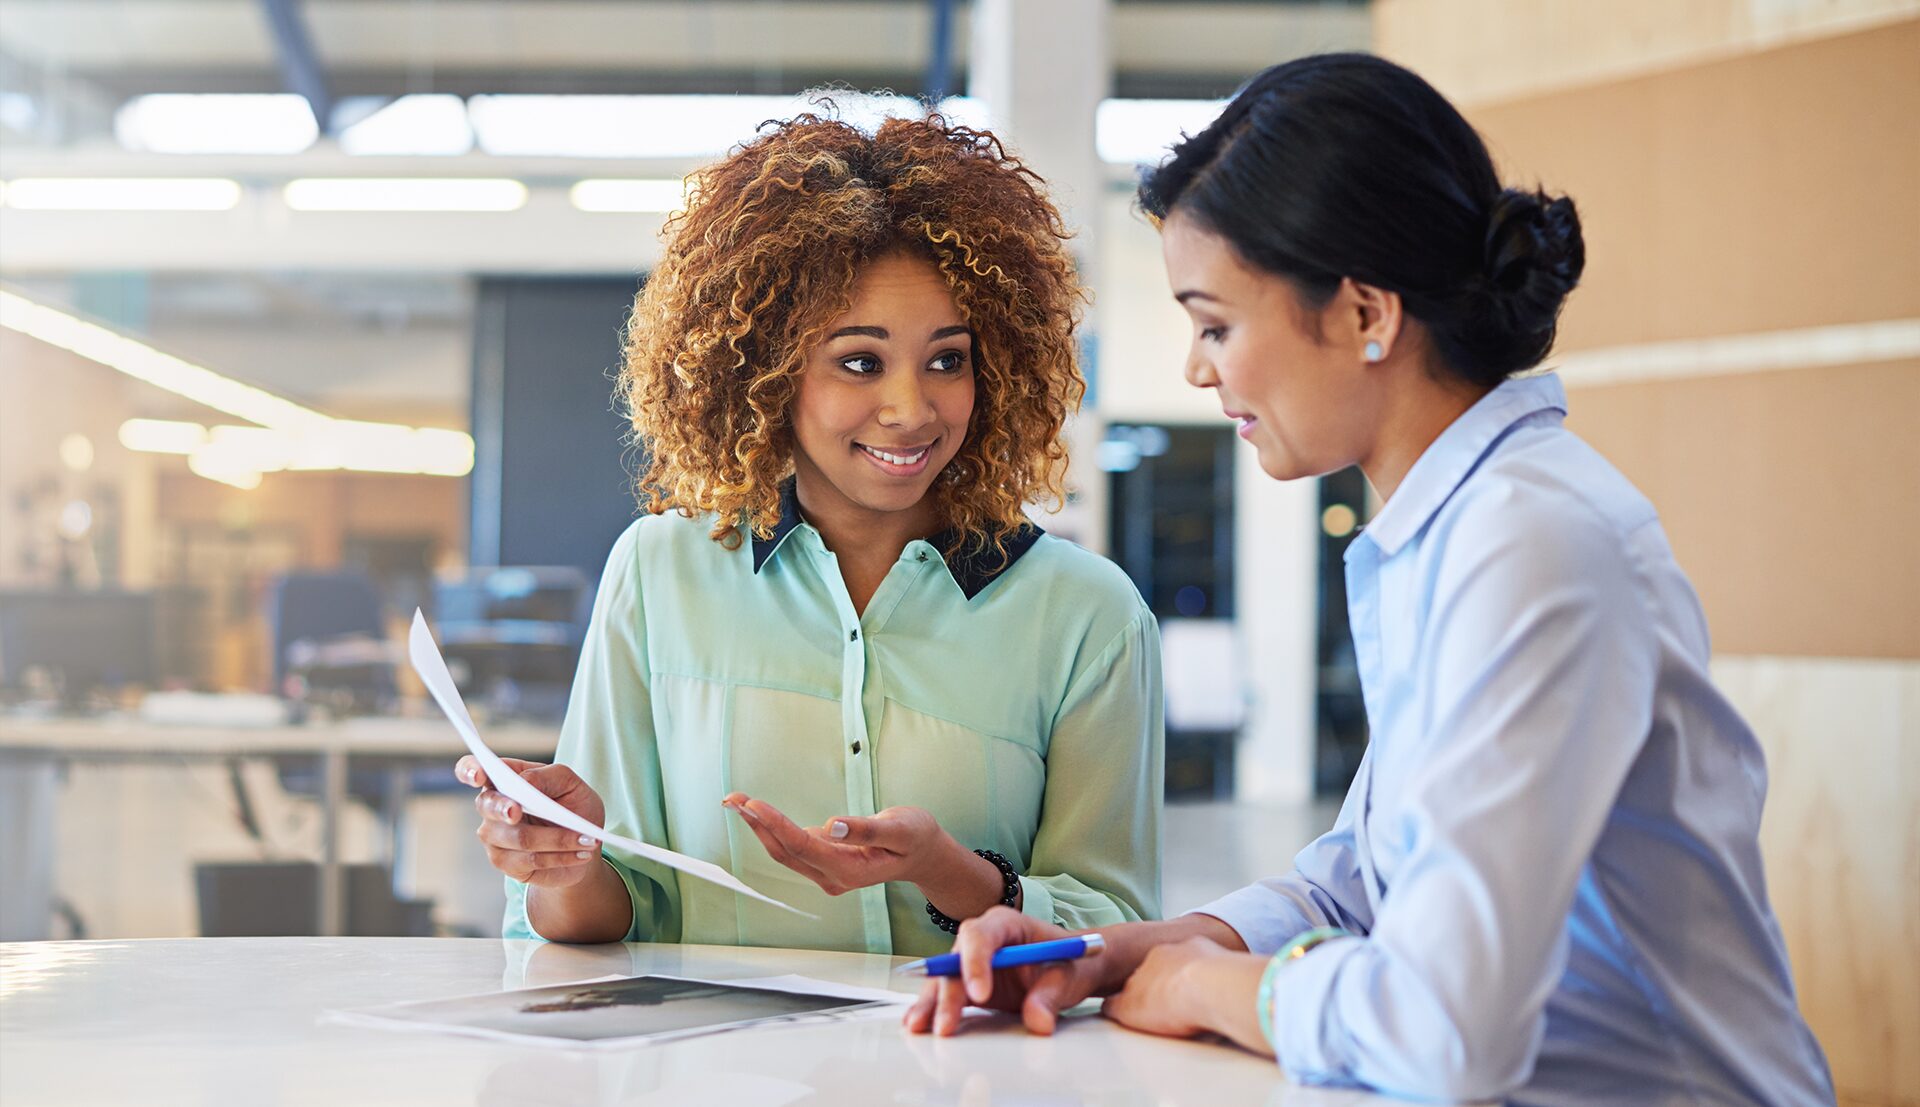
(1009, 884)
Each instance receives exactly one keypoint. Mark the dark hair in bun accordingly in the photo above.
(1346, 165)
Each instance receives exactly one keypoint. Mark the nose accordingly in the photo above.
(1198, 370)
(905, 402)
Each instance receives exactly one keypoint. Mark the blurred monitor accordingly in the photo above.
(71, 644)
(512, 635)
(329, 640)
(541, 602)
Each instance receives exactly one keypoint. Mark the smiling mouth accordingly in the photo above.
(898, 460)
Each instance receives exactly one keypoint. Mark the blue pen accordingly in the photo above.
(1007, 957)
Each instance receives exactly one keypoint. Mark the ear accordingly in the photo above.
(1371, 320)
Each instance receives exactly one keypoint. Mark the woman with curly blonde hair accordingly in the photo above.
(850, 372)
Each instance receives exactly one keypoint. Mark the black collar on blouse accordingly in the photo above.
(972, 569)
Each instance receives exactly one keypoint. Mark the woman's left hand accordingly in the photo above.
(848, 852)
(1192, 987)
(1157, 996)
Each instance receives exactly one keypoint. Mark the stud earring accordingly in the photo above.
(1374, 351)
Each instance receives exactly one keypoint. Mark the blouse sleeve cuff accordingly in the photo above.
(1036, 900)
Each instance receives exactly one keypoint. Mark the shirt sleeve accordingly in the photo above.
(1324, 889)
(608, 738)
(1536, 676)
(1096, 855)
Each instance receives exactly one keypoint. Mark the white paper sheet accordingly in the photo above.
(445, 1017)
(432, 668)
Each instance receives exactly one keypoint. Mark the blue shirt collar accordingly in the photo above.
(973, 567)
(1455, 454)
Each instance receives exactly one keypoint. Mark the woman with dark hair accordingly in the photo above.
(850, 372)
(1545, 884)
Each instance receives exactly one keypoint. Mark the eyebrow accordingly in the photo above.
(882, 333)
(1196, 294)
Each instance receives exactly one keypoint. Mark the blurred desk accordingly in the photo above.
(28, 745)
(225, 1020)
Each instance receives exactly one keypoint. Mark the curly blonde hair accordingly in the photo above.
(764, 258)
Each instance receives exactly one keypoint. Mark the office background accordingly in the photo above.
(411, 407)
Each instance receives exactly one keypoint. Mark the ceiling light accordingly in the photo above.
(162, 436)
(428, 125)
(201, 465)
(76, 519)
(123, 194)
(619, 126)
(1140, 132)
(288, 436)
(141, 361)
(693, 126)
(76, 452)
(405, 194)
(216, 123)
(654, 196)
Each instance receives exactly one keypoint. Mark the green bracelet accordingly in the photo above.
(1289, 953)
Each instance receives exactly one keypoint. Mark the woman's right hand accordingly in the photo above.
(1038, 993)
(528, 849)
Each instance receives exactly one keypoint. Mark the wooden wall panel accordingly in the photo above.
(1486, 51)
(1761, 193)
(1841, 836)
(1792, 499)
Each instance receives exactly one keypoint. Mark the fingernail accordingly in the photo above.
(583, 855)
(837, 830)
(585, 841)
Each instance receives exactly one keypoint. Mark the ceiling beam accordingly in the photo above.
(300, 68)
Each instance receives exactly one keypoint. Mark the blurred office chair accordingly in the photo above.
(330, 647)
(329, 635)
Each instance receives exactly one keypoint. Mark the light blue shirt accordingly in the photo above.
(1549, 855)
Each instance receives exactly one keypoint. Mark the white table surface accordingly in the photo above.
(236, 1021)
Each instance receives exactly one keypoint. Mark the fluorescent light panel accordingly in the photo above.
(225, 452)
(421, 194)
(216, 123)
(656, 196)
(1140, 132)
(162, 436)
(123, 194)
(666, 126)
(208, 465)
(142, 362)
(289, 436)
(425, 125)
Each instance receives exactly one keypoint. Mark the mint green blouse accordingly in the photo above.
(1019, 704)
